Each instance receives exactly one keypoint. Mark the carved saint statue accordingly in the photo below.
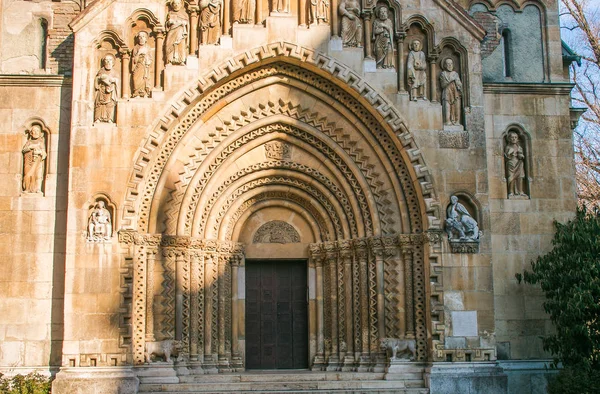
(177, 25)
(319, 12)
(352, 29)
(416, 68)
(514, 160)
(383, 33)
(451, 93)
(141, 60)
(210, 21)
(106, 83)
(34, 156)
(460, 225)
(99, 224)
(243, 11)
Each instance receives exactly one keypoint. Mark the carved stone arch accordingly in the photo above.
(525, 140)
(259, 63)
(450, 47)
(426, 27)
(111, 37)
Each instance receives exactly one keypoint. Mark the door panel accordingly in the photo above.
(276, 315)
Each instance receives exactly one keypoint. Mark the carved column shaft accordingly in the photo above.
(368, 33)
(194, 290)
(258, 12)
(159, 59)
(194, 12)
(139, 304)
(210, 286)
(349, 301)
(408, 286)
(222, 261)
(401, 65)
(332, 295)
(151, 258)
(380, 293)
(226, 17)
(433, 75)
(179, 284)
(302, 12)
(200, 312)
(364, 303)
(335, 26)
(320, 312)
(125, 82)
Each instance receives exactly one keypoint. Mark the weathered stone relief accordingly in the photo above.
(416, 69)
(210, 21)
(34, 160)
(515, 166)
(141, 60)
(281, 6)
(278, 150)
(243, 11)
(383, 38)
(394, 347)
(352, 27)
(99, 223)
(276, 231)
(163, 349)
(177, 25)
(319, 12)
(106, 82)
(462, 229)
(452, 90)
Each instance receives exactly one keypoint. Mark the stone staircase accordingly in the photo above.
(409, 381)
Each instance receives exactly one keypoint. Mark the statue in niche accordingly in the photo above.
(282, 6)
(141, 60)
(383, 33)
(352, 29)
(460, 225)
(99, 224)
(416, 68)
(319, 11)
(451, 93)
(177, 25)
(106, 83)
(514, 160)
(210, 21)
(243, 11)
(34, 156)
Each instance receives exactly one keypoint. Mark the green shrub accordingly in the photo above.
(32, 383)
(575, 381)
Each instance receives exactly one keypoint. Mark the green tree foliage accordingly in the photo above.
(570, 277)
(33, 383)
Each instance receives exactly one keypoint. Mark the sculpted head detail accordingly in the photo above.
(177, 5)
(35, 132)
(449, 64)
(415, 45)
(108, 62)
(142, 37)
(513, 137)
(383, 13)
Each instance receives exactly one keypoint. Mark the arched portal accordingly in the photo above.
(280, 152)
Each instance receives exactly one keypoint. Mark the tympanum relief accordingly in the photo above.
(383, 33)
(276, 231)
(177, 24)
(451, 94)
(210, 21)
(141, 60)
(352, 28)
(34, 159)
(106, 83)
(99, 223)
(416, 69)
(514, 163)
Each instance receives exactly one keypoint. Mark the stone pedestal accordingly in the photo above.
(92, 380)
(480, 378)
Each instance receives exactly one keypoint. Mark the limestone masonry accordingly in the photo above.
(337, 191)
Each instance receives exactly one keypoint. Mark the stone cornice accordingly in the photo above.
(34, 80)
(528, 88)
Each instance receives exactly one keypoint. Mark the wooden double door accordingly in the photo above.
(276, 314)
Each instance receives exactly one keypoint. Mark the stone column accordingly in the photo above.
(210, 312)
(159, 61)
(194, 11)
(194, 290)
(125, 83)
(179, 295)
(151, 258)
(345, 301)
(139, 303)
(331, 254)
(302, 12)
(408, 289)
(433, 76)
(362, 256)
(335, 26)
(237, 362)
(226, 17)
(368, 33)
(258, 12)
(401, 64)
(378, 252)
(316, 256)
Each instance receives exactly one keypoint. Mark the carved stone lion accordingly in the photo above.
(394, 346)
(163, 349)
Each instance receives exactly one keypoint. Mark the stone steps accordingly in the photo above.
(296, 382)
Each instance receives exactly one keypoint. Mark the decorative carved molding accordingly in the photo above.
(278, 150)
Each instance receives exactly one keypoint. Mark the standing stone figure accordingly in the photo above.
(106, 83)
(140, 66)
(177, 25)
(99, 224)
(243, 11)
(282, 6)
(383, 32)
(460, 225)
(515, 165)
(319, 11)
(352, 29)
(451, 93)
(210, 21)
(416, 68)
(34, 156)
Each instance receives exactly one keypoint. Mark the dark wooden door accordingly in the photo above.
(276, 315)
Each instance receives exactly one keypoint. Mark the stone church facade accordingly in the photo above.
(195, 189)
